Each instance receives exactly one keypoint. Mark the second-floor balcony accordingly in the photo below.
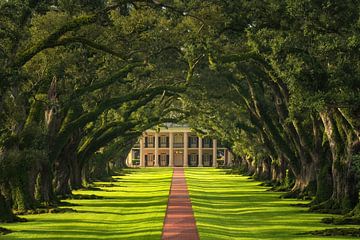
(178, 145)
(149, 145)
(193, 145)
(163, 145)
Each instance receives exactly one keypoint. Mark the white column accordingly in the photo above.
(229, 155)
(129, 158)
(200, 152)
(214, 152)
(186, 149)
(156, 149)
(142, 156)
(171, 149)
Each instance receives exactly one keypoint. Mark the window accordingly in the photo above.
(207, 160)
(136, 154)
(178, 138)
(178, 141)
(207, 157)
(163, 160)
(163, 157)
(150, 141)
(193, 142)
(163, 141)
(207, 143)
(193, 160)
(149, 160)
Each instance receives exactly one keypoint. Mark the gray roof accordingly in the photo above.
(176, 125)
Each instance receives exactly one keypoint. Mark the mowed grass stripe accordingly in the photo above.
(133, 208)
(235, 207)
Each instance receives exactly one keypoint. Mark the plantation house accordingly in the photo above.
(177, 146)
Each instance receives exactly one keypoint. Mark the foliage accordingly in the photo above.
(277, 82)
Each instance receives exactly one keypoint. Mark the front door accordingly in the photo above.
(178, 160)
(150, 160)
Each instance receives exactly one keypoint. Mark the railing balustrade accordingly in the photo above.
(178, 145)
(193, 145)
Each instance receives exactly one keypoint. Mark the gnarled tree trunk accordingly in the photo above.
(345, 194)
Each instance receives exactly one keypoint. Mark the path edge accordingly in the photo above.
(192, 210)
(167, 203)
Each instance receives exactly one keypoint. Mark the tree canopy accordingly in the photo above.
(277, 82)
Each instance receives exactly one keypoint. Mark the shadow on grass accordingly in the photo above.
(134, 209)
(235, 207)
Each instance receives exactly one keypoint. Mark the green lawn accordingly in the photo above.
(234, 207)
(134, 208)
(225, 206)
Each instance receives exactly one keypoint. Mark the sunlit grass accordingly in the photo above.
(134, 208)
(225, 206)
(235, 207)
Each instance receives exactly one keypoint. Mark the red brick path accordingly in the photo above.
(179, 221)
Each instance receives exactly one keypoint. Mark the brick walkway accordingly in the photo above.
(179, 221)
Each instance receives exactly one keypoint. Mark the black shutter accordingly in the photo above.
(167, 160)
(167, 142)
(159, 138)
(146, 142)
(146, 160)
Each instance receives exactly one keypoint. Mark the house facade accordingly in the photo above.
(177, 146)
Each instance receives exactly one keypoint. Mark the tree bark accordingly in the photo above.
(5, 210)
(322, 161)
(345, 194)
(75, 175)
(45, 191)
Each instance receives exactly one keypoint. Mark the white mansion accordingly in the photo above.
(177, 146)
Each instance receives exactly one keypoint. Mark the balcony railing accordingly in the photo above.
(207, 145)
(178, 145)
(193, 145)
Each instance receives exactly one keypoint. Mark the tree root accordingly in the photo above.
(353, 232)
(342, 220)
(4, 231)
(327, 207)
(46, 210)
(14, 219)
(84, 196)
(352, 218)
(91, 188)
(67, 204)
(279, 188)
(296, 194)
(99, 186)
(303, 205)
